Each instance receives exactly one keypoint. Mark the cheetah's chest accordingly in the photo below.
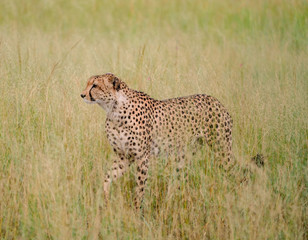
(118, 137)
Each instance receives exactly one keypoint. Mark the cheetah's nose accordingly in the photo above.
(82, 95)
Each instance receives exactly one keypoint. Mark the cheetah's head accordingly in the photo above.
(102, 89)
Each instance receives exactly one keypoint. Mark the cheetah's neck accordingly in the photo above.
(113, 107)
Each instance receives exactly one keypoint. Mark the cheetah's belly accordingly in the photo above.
(168, 146)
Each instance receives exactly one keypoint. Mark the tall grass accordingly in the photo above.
(252, 55)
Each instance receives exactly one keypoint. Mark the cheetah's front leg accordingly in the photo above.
(118, 169)
(142, 176)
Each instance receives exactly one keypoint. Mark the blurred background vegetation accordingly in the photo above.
(252, 55)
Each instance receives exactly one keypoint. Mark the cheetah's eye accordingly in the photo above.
(94, 85)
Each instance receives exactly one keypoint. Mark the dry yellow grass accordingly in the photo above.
(53, 149)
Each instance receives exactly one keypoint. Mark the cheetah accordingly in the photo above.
(139, 127)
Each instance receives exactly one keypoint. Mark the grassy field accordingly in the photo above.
(252, 55)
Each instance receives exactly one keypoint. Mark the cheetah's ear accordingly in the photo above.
(116, 83)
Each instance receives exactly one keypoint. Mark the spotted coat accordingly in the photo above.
(139, 127)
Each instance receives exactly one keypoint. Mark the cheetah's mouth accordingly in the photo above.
(89, 102)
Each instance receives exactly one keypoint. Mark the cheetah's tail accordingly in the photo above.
(259, 160)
